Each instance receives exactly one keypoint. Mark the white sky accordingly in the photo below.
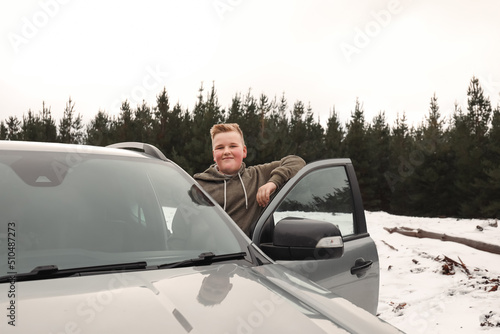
(391, 54)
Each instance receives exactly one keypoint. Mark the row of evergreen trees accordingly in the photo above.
(439, 168)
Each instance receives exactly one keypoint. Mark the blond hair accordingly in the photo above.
(226, 127)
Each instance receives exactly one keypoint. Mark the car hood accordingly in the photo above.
(224, 298)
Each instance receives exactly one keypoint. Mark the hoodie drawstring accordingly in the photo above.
(224, 194)
(244, 190)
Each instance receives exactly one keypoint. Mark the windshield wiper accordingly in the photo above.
(52, 271)
(204, 259)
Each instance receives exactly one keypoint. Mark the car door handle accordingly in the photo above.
(361, 267)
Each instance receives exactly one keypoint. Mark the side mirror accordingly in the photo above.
(303, 239)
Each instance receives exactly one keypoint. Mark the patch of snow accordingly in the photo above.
(420, 292)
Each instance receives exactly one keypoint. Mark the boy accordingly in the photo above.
(242, 191)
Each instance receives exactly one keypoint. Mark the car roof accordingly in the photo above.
(69, 148)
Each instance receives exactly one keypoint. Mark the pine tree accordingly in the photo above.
(468, 140)
(297, 132)
(162, 127)
(490, 187)
(39, 127)
(378, 141)
(70, 126)
(49, 128)
(123, 127)
(235, 111)
(206, 113)
(266, 137)
(278, 128)
(143, 124)
(264, 107)
(181, 126)
(401, 167)
(31, 128)
(355, 147)
(479, 111)
(3, 131)
(431, 184)
(306, 136)
(99, 130)
(313, 147)
(333, 136)
(14, 131)
(251, 126)
(170, 129)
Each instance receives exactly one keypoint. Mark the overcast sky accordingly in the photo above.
(391, 54)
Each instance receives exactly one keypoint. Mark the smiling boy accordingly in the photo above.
(242, 191)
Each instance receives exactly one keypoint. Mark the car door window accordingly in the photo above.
(325, 195)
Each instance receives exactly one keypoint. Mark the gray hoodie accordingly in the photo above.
(237, 193)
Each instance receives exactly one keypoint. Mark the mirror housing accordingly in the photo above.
(302, 239)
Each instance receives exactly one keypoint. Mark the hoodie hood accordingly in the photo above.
(212, 174)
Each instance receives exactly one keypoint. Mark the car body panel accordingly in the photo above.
(333, 274)
(224, 298)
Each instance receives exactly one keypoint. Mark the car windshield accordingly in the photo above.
(77, 210)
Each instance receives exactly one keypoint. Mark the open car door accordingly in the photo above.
(322, 192)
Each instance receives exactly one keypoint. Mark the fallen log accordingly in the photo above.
(419, 233)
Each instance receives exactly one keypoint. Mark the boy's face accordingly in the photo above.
(228, 151)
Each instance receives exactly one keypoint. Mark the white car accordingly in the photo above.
(108, 240)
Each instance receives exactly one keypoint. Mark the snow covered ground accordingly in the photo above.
(416, 296)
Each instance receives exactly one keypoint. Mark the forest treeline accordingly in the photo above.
(442, 167)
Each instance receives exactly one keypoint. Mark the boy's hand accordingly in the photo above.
(264, 193)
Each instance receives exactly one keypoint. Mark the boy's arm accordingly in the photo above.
(264, 193)
(286, 169)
